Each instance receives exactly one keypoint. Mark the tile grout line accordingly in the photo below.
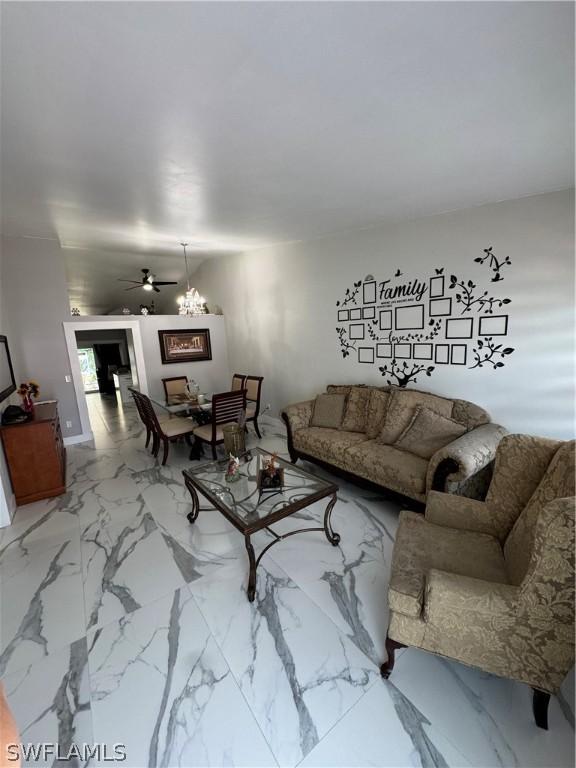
(236, 682)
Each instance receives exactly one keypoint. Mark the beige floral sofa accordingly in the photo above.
(491, 583)
(365, 444)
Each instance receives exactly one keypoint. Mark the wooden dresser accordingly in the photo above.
(36, 456)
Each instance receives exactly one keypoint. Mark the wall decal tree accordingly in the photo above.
(486, 351)
(402, 373)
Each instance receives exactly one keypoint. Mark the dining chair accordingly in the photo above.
(227, 408)
(148, 426)
(237, 381)
(174, 385)
(165, 431)
(253, 386)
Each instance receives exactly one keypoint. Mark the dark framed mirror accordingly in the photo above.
(7, 380)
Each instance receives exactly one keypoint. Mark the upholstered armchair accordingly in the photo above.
(491, 584)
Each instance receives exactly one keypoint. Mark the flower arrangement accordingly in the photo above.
(28, 390)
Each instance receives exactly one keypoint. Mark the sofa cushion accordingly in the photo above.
(328, 445)
(328, 411)
(376, 412)
(356, 409)
(403, 403)
(421, 545)
(427, 432)
(387, 466)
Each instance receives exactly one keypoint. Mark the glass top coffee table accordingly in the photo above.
(249, 509)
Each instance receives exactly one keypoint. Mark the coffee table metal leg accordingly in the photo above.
(333, 538)
(252, 576)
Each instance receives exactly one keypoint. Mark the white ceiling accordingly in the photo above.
(127, 127)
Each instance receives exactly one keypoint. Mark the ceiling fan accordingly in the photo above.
(148, 282)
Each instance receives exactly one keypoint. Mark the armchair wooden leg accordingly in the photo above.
(388, 666)
(540, 701)
(148, 435)
(214, 453)
(155, 444)
(257, 428)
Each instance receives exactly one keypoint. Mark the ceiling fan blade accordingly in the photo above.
(156, 289)
(170, 282)
(123, 280)
(133, 287)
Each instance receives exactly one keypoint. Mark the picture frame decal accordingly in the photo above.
(365, 354)
(459, 328)
(356, 331)
(440, 307)
(369, 292)
(410, 317)
(188, 346)
(493, 325)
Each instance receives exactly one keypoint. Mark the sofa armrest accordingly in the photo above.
(464, 457)
(449, 593)
(298, 415)
(452, 511)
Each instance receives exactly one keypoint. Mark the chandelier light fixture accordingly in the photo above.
(191, 305)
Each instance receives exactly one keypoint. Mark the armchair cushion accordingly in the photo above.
(427, 432)
(453, 511)
(421, 546)
(451, 592)
(403, 403)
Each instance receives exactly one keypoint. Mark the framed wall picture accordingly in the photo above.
(185, 346)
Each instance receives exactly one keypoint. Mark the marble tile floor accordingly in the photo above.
(122, 624)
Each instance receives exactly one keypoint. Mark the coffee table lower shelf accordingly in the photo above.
(331, 535)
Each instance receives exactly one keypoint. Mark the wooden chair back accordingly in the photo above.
(253, 385)
(148, 414)
(226, 408)
(174, 385)
(237, 381)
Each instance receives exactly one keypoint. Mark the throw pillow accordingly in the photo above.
(356, 408)
(328, 411)
(428, 432)
(403, 403)
(376, 413)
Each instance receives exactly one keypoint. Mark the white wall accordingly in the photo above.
(36, 303)
(281, 315)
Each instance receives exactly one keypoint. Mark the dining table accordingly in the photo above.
(184, 405)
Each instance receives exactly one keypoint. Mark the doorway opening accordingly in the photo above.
(106, 358)
(87, 361)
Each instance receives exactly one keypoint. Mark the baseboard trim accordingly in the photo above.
(85, 437)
